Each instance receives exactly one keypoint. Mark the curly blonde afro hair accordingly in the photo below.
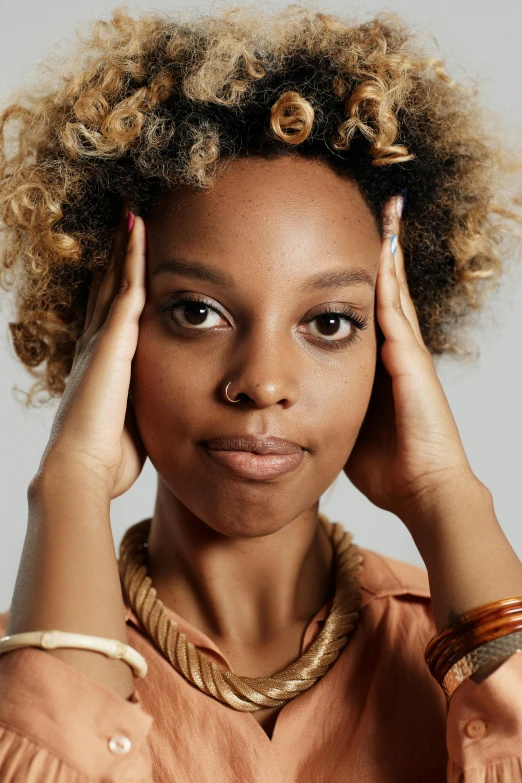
(153, 102)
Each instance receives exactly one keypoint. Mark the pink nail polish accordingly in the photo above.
(130, 221)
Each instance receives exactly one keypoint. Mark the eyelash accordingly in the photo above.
(346, 313)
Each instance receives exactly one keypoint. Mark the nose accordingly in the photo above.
(264, 372)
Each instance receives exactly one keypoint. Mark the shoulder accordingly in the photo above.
(385, 576)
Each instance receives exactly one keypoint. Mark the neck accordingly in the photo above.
(248, 589)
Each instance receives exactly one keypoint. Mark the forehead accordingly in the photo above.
(265, 211)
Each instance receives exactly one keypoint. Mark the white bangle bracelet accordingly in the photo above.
(51, 640)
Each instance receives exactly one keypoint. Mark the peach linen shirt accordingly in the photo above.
(376, 716)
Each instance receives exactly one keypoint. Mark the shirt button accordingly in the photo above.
(476, 728)
(119, 744)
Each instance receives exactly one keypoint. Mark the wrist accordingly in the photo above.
(451, 521)
(469, 560)
(56, 475)
(447, 507)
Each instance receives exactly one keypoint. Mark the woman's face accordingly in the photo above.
(275, 243)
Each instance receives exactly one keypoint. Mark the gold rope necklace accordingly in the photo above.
(245, 693)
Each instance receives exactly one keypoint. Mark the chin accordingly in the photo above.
(249, 523)
(235, 515)
(242, 529)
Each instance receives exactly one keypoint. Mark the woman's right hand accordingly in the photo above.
(95, 427)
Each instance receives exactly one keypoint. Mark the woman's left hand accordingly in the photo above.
(408, 446)
(409, 459)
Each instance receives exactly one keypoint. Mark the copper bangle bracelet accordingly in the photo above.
(474, 639)
(468, 635)
(495, 609)
(491, 652)
(472, 642)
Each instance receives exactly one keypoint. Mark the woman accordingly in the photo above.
(300, 212)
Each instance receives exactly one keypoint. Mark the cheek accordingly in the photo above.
(168, 387)
(345, 402)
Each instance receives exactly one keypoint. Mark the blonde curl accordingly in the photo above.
(292, 118)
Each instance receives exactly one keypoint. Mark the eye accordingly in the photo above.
(192, 313)
(342, 326)
(330, 324)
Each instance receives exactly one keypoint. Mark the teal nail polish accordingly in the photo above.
(394, 244)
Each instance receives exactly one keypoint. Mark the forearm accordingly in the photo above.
(468, 558)
(68, 575)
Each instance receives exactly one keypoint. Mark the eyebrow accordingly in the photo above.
(333, 278)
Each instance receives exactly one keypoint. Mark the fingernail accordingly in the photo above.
(394, 244)
(130, 221)
(399, 206)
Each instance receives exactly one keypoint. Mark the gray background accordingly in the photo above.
(481, 45)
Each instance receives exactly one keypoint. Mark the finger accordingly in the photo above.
(131, 295)
(393, 228)
(406, 300)
(110, 282)
(392, 319)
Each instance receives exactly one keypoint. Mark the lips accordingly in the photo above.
(269, 444)
(251, 457)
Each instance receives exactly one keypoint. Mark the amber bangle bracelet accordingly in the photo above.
(506, 607)
(479, 612)
(470, 619)
(453, 632)
(472, 635)
(483, 625)
(464, 644)
(444, 664)
(461, 645)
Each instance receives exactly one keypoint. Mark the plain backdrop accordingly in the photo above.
(481, 45)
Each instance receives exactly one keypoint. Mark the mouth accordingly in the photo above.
(253, 457)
